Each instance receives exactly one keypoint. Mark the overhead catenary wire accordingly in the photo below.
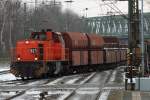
(120, 12)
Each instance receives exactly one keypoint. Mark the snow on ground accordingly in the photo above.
(63, 78)
(113, 76)
(113, 88)
(31, 95)
(63, 97)
(86, 79)
(6, 77)
(4, 67)
(107, 72)
(33, 92)
(56, 81)
(87, 91)
(58, 92)
(104, 95)
(72, 80)
(7, 93)
(62, 94)
(38, 82)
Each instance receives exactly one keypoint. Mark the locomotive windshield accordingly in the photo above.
(38, 36)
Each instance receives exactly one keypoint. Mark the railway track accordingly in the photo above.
(82, 83)
(87, 89)
(62, 83)
(61, 88)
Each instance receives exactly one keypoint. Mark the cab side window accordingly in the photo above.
(35, 36)
(43, 36)
(39, 36)
(55, 37)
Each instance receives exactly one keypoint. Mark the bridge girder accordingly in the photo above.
(113, 25)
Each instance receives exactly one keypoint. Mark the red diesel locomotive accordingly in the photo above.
(49, 53)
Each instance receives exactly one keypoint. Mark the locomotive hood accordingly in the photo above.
(27, 50)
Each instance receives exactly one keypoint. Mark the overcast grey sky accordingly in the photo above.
(97, 7)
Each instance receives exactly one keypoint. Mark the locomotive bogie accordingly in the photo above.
(28, 69)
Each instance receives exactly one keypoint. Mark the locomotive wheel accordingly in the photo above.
(45, 75)
(66, 70)
(51, 68)
(90, 70)
(28, 77)
(22, 78)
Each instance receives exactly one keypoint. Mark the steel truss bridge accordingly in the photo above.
(115, 25)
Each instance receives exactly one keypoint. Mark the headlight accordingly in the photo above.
(35, 58)
(18, 58)
(27, 42)
(33, 50)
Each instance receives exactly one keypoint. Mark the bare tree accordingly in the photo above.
(17, 21)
